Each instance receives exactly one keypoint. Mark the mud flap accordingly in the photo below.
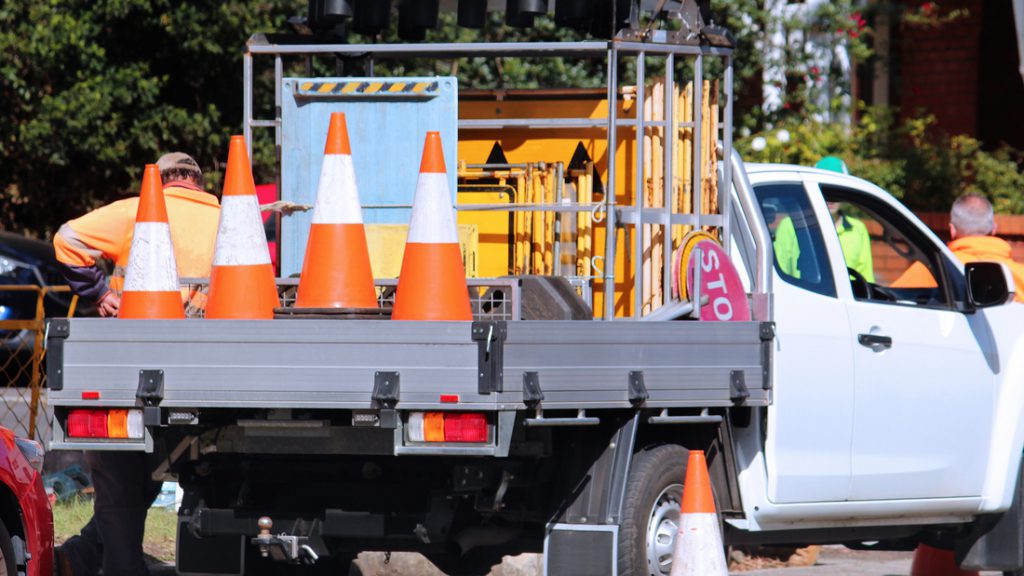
(581, 550)
(208, 555)
(998, 543)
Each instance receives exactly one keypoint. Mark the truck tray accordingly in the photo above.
(333, 364)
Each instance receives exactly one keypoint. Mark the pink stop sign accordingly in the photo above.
(719, 283)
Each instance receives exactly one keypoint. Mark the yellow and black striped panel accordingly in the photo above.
(367, 88)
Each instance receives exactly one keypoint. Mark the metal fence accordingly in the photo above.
(23, 405)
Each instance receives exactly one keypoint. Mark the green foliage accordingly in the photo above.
(500, 72)
(912, 160)
(93, 91)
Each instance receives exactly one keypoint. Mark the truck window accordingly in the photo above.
(800, 255)
(889, 260)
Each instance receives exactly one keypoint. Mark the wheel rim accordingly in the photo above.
(662, 529)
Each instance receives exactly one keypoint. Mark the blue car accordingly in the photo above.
(27, 262)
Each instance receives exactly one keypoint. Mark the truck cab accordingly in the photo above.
(894, 395)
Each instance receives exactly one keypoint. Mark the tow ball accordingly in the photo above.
(283, 547)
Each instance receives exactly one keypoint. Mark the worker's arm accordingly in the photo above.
(80, 242)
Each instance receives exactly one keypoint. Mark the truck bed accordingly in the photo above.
(338, 364)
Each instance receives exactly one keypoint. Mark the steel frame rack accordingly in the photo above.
(656, 43)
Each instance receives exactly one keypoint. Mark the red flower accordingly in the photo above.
(928, 8)
(815, 71)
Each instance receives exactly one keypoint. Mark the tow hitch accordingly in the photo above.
(284, 547)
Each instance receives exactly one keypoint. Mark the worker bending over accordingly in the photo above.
(107, 233)
(124, 488)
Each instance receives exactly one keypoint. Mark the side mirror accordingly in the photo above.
(988, 284)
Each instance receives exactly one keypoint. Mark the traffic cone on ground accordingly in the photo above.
(336, 272)
(432, 283)
(931, 561)
(151, 287)
(242, 277)
(698, 547)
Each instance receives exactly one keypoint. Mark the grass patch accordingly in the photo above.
(161, 526)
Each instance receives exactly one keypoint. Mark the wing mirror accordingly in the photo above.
(988, 284)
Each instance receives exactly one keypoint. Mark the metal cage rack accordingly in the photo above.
(630, 44)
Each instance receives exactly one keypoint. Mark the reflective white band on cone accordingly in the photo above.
(151, 266)
(433, 218)
(241, 240)
(698, 547)
(337, 198)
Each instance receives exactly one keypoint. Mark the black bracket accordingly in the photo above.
(532, 393)
(149, 395)
(151, 388)
(738, 392)
(767, 333)
(385, 389)
(490, 337)
(637, 390)
(57, 331)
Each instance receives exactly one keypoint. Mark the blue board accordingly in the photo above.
(388, 120)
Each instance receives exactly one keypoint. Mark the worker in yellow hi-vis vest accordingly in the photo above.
(853, 236)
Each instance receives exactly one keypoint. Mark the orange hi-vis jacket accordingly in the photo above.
(107, 232)
(969, 249)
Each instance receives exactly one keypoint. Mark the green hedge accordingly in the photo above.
(913, 160)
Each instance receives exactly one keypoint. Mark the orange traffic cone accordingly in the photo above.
(242, 277)
(698, 548)
(336, 272)
(151, 287)
(432, 283)
(930, 561)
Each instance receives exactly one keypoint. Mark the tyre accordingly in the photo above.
(650, 511)
(7, 565)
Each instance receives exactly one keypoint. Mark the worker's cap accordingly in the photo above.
(832, 163)
(177, 161)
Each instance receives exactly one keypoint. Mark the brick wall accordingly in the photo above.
(889, 265)
(938, 69)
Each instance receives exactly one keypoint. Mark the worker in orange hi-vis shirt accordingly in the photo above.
(111, 541)
(107, 233)
(972, 229)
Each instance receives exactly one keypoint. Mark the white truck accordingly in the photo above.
(848, 410)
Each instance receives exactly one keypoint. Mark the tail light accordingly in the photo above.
(447, 427)
(116, 424)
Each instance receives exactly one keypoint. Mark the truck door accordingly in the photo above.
(924, 387)
(810, 421)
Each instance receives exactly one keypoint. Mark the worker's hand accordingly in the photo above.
(109, 305)
(285, 207)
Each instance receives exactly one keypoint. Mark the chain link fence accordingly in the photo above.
(23, 402)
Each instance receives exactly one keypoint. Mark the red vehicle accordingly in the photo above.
(26, 521)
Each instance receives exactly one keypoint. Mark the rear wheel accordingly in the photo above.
(650, 512)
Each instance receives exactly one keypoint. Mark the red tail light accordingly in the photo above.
(465, 428)
(447, 427)
(116, 423)
(87, 424)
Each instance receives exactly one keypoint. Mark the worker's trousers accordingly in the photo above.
(124, 492)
